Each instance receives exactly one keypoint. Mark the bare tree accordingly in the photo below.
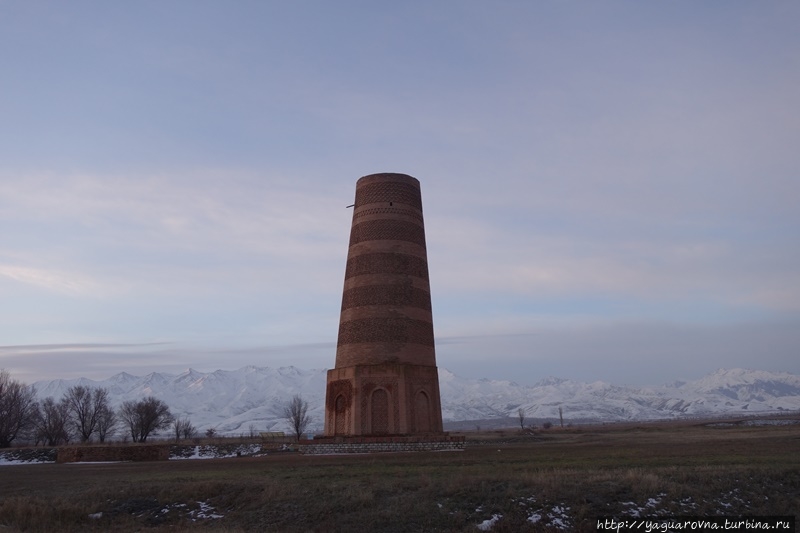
(17, 408)
(86, 405)
(106, 423)
(296, 413)
(252, 430)
(521, 415)
(211, 433)
(176, 428)
(183, 429)
(145, 417)
(561, 415)
(51, 422)
(188, 431)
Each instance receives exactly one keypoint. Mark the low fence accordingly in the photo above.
(401, 443)
(96, 454)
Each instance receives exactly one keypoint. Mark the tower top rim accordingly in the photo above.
(388, 177)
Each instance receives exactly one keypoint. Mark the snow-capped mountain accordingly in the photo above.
(233, 402)
(724, 392)
(228, 401)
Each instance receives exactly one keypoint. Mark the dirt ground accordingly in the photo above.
(559, 479)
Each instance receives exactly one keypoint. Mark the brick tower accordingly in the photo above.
(385, 381)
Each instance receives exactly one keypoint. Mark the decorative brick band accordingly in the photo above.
(388, 191)
(387, 230)
(343, 388)
(394, 295)
(386, 263)
(386, 330)
(388, 211)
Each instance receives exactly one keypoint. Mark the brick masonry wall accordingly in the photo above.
(413, 395)
(385, 347)
(385, 330)
(78, 454)
(386, 302)
(397, 188)
(386, 263)
(395, 294)
(387, 230)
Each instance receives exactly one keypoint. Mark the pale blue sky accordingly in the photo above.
(610, 189)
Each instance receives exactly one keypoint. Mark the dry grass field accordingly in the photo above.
(559, 479)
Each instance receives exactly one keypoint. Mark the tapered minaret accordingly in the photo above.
(385, 381)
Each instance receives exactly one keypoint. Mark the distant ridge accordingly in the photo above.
(233, 401)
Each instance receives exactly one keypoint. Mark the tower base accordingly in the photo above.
(383, 399)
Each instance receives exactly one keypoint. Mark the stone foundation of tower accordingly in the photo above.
(383, 399)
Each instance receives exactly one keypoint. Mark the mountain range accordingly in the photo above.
(251, 398)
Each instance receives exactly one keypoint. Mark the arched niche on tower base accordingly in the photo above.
(380, 412)
(422, 412)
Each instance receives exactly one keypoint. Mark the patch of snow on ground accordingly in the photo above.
(487, 525)
(25, 457)
(658, 506)
(526, 501)
(559, 517)
(4, 461)
(688, 503)
(770, 422)
(648, 508)
(205, 512)
(732, 496)
(209, 451)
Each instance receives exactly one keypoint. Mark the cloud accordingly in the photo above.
(101, 360)
(203, 228)
(32, 362)
(633, 352)
(483, 258)
(25, 348)
(51, 279)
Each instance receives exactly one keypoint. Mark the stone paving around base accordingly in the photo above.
(343, 445)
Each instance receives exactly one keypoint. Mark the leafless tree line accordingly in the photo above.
(85, 413)
(183, 429)
(82, 414)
